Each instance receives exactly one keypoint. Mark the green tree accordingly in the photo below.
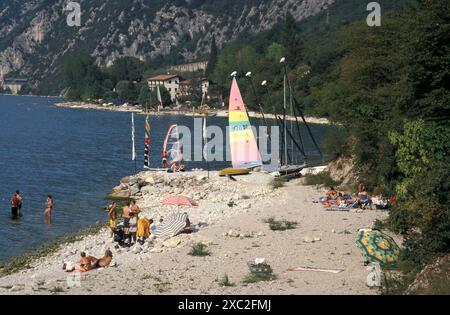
(430, 72)
(145, 97)
(292, 42)
(423, 213)
(212, 58)
(275, 52)
(127, 69)
(82, 77)
(127, 91)
(165, 96)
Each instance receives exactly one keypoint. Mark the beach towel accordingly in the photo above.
(143, 228)
(343, 206)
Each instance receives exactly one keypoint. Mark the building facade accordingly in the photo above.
(187, 87)
(170, 82)
(14, 85)
(178, 87)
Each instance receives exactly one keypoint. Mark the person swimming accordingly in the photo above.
(49, 206)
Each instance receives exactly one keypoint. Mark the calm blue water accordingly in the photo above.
(75, 155)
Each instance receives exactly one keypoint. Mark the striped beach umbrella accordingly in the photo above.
(171, 226)
(377, 247)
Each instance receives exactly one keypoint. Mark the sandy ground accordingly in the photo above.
(158, 269)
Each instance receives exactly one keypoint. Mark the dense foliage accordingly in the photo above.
(123, 81)
(388, 87)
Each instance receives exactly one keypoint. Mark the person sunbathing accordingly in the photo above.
(88, 263)
(83, 265)
(332, 193)
(105, 261)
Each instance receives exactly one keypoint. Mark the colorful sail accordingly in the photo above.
(147, 144)
(244, 149)
(172, 149)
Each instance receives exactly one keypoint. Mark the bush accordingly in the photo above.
(282, 225)
(225, 281)
(323, 178)
(199, 250)
(422, 215)
(253, 277)
(335, 144)
(277, 182)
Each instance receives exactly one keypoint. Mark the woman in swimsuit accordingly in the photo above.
(49, 207)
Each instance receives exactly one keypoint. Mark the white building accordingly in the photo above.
(169, 81)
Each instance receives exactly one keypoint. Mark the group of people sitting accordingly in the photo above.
(362, 201)
(134, 229)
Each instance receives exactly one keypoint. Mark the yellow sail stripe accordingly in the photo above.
(236, 116)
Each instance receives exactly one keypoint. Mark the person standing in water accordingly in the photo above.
(49, 208)
(15, 204)
(20, 202)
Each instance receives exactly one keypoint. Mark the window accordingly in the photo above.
(170, 89)
(170, 82)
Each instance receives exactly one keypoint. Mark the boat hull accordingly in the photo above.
(234, 172)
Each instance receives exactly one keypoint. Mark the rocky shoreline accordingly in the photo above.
(231, 221)
(91, 106)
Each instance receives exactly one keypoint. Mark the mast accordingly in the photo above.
(283, 61)
(261, 109)
(297, 106)
(133, 149)
(205, 142)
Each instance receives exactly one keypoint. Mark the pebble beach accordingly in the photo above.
(231, 220)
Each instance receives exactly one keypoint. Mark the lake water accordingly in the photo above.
(75, 155)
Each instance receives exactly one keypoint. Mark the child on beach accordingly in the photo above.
(133, 227)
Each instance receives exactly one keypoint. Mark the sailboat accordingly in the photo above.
(287, 167)
(245, 154)
(172, 157)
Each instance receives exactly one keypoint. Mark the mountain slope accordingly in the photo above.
(35, 36)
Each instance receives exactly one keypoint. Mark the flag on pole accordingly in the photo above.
(205, 140)
(159, 98)
(133, 153)
(147, 144)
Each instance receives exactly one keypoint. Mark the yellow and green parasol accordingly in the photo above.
(377, 247)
